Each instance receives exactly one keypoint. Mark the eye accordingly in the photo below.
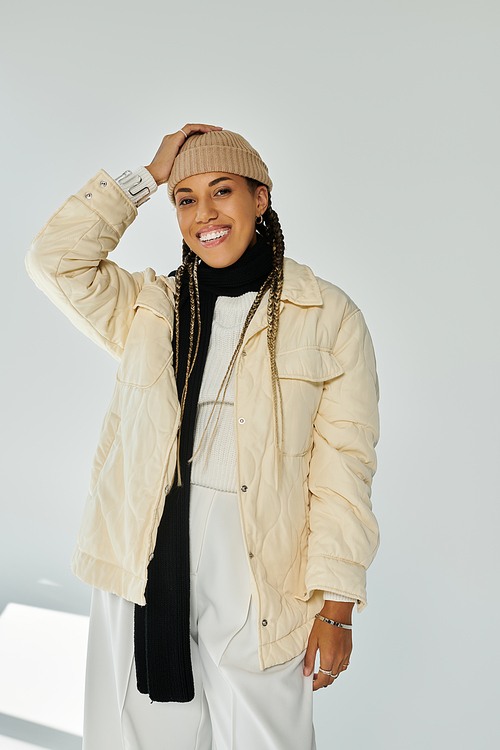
(223, 191)
(185, 201)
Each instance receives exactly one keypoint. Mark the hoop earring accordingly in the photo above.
(259, 220)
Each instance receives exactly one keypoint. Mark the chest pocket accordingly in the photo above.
(302, 373)
(148, 350)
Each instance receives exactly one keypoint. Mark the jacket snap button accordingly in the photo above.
(243, 354)
(241, 420)
(103, 183)
(88, 195)
(250, 555)
(244, 488)
(264, 623)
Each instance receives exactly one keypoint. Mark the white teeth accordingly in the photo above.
(213, 235)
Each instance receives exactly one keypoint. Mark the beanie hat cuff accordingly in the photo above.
(217, 157)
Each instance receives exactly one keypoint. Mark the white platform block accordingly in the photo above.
(42, 674)
(7, 743)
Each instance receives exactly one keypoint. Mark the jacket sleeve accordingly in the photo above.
(68, 261)
(343, 530)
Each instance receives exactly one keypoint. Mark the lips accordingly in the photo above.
(213, 234)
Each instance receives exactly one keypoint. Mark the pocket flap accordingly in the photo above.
(312, 364)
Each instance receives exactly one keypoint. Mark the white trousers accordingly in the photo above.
(236, 706)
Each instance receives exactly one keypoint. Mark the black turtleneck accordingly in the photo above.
(162, 632)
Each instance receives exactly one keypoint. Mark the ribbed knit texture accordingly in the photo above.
(161, 632)
(217, 151)
(217, 468)
(329, 596)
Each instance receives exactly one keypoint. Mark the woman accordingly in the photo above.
(228, 525)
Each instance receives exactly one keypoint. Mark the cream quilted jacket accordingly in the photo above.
(311, 532)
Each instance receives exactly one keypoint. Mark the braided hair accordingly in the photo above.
(271, 231)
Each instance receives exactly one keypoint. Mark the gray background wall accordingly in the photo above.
(379, 121)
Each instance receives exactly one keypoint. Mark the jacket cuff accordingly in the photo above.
(102, 195)
(337, 576)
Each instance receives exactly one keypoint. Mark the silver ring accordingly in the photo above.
(182, 131)
(330, 673)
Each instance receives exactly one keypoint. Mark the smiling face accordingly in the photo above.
(216, 214)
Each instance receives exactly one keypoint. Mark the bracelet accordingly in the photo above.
(138, 185)
(332, 622)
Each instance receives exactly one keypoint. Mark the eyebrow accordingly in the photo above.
(210, 184)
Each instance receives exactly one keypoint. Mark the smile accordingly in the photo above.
(211, 236)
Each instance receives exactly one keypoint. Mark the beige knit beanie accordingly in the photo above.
(217, 151)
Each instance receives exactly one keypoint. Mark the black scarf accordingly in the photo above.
(161, 628)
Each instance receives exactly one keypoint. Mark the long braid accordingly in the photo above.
(190, 264)
(273, 234)
(271, 231)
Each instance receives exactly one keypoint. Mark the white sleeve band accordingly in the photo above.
(329, 596)
(138, 185)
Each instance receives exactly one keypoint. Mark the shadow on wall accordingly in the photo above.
(35, 567)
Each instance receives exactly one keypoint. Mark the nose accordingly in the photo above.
(206, 211)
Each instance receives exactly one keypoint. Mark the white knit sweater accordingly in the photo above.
(217, 468)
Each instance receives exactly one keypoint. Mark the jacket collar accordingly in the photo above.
(300, 287)
(158, 297)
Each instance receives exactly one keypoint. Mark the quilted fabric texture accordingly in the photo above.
(307, 528)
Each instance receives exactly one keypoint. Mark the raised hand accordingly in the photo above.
(161, 166)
